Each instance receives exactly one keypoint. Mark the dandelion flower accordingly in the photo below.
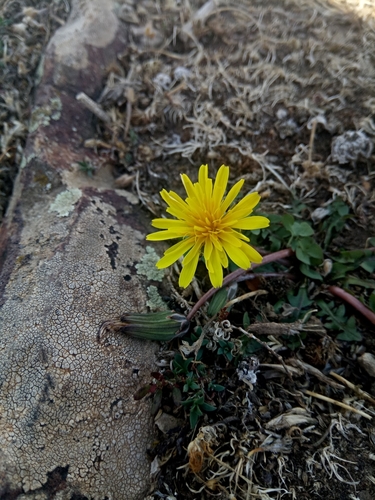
(208, 225)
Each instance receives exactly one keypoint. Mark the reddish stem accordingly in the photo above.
(351, 300)
(272, 257)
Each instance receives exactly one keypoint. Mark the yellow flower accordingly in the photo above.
(207, 225)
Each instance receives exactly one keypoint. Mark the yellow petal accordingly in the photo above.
(184, 246)
(224, 259)
(174, 253)
(207, 249)
(231, 196)
(191, 255)
(188, 272)
(177, 212)
(204, 183)
(195, 205)
(231, 238)
(173, 200)
(188, 185)
(216, 242)
(254, 222)
(215, 269)
(204, 192)
(169, 223)
(237, 255)
(244, 207)
(163, 235)
(216, 279)
(220, 185)
(252, 254)
(203, 174)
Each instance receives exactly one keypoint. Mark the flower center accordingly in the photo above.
(208, 225)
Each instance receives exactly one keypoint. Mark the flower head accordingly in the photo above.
(208, 225)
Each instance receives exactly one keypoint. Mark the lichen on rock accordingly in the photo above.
(155, 302)
(65, 201)
(42, 115)
(147, 265)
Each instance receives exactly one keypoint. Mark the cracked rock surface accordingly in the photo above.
(69, 425)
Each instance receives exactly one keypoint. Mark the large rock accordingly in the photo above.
(69, 425)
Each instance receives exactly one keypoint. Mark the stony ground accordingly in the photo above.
(283, 93)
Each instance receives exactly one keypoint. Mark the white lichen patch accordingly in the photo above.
(65, 201)
(42, 115)
(26, 159)
(147, 265)
(155, 302)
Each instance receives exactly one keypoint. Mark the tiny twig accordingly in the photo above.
(354, 302)
(266, 346)
(244, 297)
(129, 103)
(354, 388)
(280, 368)
(179, 87)
(93, 107)
(311, 143)
(337, 403)
(272, 257)
(316, 373)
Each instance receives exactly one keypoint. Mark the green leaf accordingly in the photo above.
(301, 229)
(195, 413)
(181, 365)
(300, 303)
(306, 248)
(341, 207)
(310, 273)
(300, 300)
(190, 384)
(350, 336)
(315, 250)
(226, 349)
(302, 255)
(353, 280)
(369, 265)
(352, 256)
(287, 221)
(218, 301)
(249, 346)
(338, 321)
(245, 320)
(293, 342)
(217, 387)
(275, 243)
(207, 407)
(339, 270)
(336, 221)
(371, 301)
